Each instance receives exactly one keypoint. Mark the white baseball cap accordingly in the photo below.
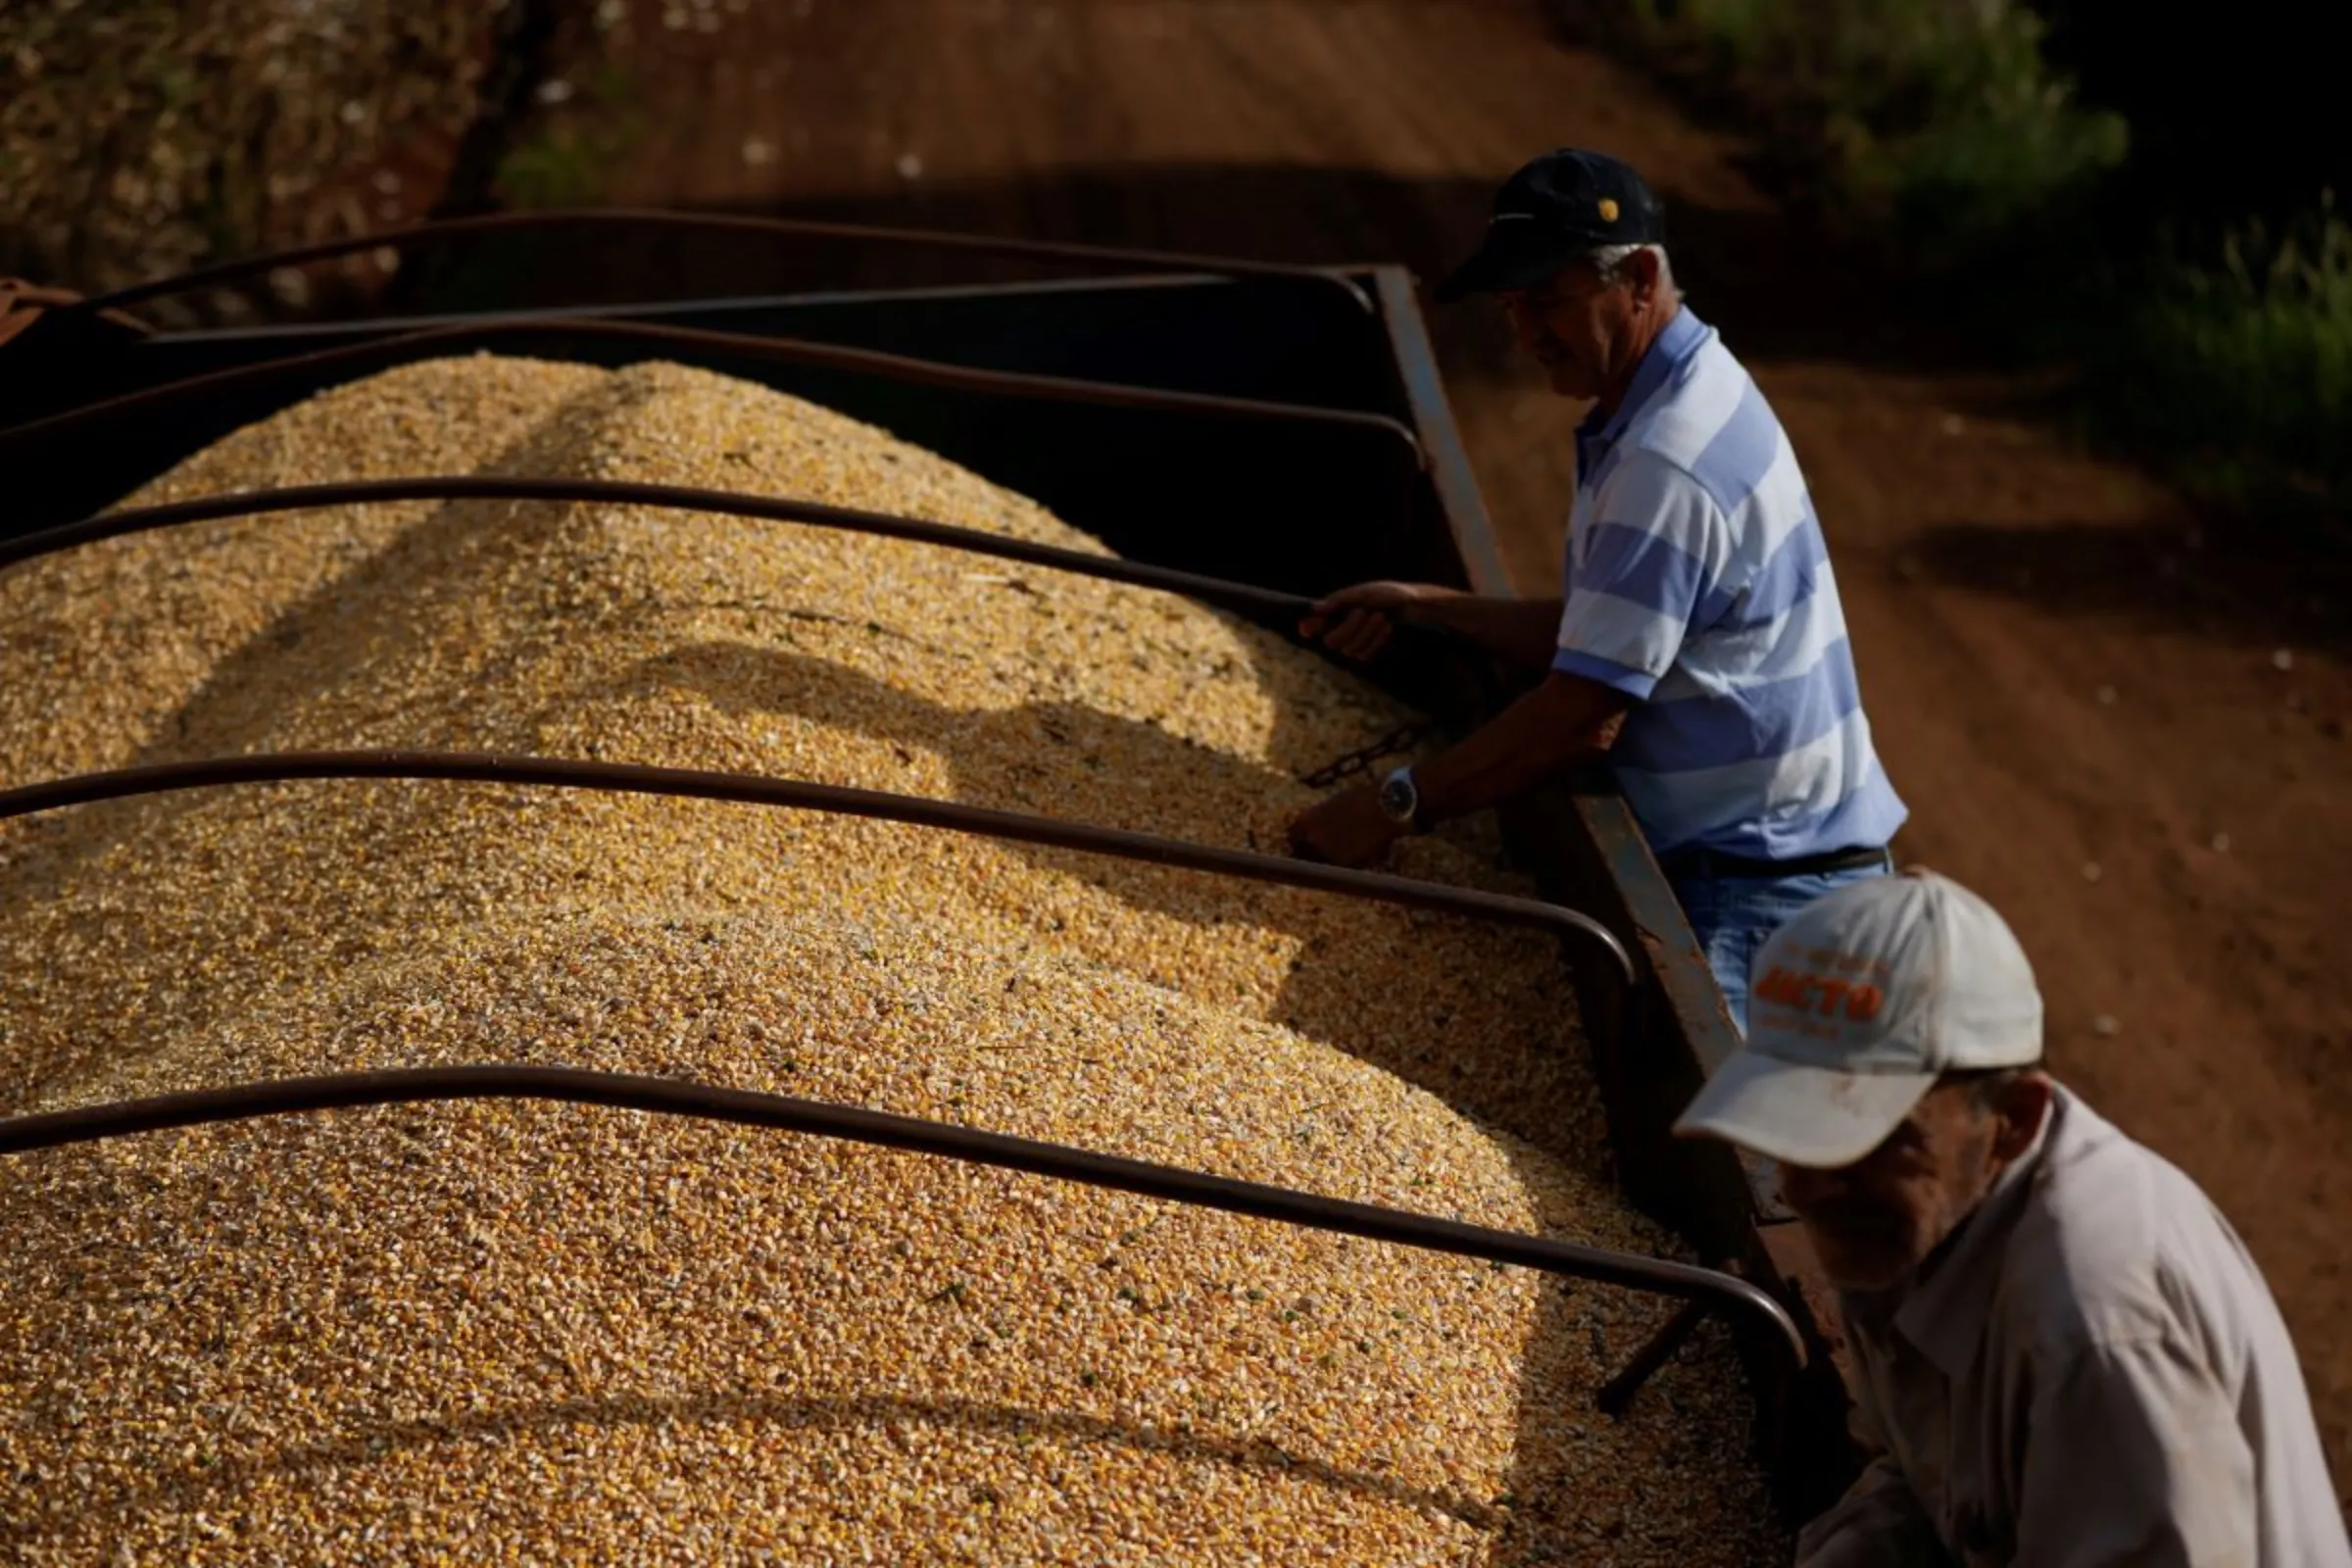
(1856, 1007)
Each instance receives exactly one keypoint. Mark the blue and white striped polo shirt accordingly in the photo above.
(1699, 582)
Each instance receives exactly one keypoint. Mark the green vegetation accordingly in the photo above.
(143, 136)
(2239, 371)
(1933, 122)
(562, 160)
(1938, 131)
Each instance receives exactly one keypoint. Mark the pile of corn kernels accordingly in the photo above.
(539, 1332)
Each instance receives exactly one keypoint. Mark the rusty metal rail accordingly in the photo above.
(774, 508)
(1701, 1288)
(401, 239)
(483, 767)
(1223, 592)
(785, 350)
(1244, 597)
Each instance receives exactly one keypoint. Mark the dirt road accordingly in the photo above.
(2128, 740)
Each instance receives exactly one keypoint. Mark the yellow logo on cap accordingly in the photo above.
(1609, 210)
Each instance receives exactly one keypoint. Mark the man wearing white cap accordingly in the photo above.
(2067, 1354)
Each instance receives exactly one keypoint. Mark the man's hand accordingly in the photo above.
(1347, 829)
(1357, 622)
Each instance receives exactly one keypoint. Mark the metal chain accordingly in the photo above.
(1395, 742)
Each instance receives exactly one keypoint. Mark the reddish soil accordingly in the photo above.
(2086, 709)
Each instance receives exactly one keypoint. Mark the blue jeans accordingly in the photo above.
(1732, 916)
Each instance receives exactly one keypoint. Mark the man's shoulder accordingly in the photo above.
(1712, 429)
(2114, 1245)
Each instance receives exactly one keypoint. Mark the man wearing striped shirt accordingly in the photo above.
(1700, 642)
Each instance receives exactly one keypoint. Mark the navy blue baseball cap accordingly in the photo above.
(1561, 206)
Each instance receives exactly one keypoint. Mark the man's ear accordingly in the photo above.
(2020, 1106)
(1641, 270)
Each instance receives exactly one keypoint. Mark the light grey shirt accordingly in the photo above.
(2092, 1374)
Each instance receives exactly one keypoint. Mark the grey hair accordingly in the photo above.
(1609, 262)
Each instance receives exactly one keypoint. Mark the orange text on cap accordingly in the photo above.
(1820, 992)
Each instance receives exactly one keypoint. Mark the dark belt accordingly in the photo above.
(1714, 862)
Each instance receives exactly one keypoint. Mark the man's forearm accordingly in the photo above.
(1559, 722)
(1519, 632)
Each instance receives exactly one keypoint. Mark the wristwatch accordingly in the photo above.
(1399, 799)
